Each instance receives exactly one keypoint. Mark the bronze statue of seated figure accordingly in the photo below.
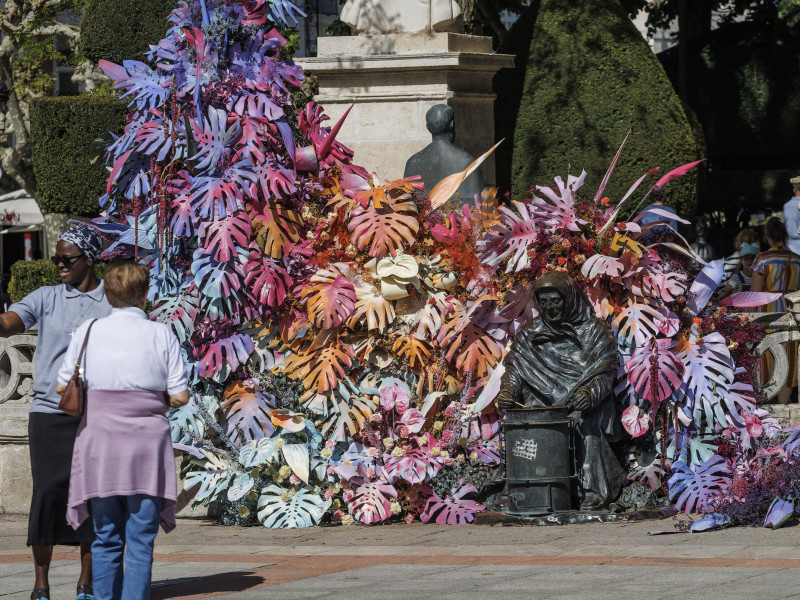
(568, 357)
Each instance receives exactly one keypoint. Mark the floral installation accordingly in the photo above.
(344, 337)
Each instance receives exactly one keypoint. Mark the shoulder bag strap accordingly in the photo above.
(83, 348)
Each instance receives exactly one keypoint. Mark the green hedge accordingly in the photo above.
(118, 30)
(30, 275)
(62, 131)
(590, 77)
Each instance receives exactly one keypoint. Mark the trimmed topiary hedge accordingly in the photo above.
(62, 131)
(590, 78)
(118, 30)
(30, 275)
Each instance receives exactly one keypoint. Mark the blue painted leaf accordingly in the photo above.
(212, 475)
(148, 89)
(154, 138)
(779, 513)
(257, 452)
(221, 285)
(693, 490)
(240, 485)
(213, 138)
(709, 523)
(216, 196)
(707, 376)
(704, 285)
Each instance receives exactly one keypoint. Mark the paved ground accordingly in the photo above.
(599, 561)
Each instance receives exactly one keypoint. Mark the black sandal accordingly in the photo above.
(40, 594)
(85, 592)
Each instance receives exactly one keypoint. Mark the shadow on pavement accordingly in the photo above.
(221, 583)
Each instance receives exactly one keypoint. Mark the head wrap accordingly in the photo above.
(85, 239)
(748, 249)
(795, 181)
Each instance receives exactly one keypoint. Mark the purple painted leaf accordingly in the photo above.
(415, 466)
(704, 285)
(694, 490)
(182, 222)
(125, 142)
(247, 412)
(655, 381)
(215, 196)
(713, 521)
(520, 308)
(266, 279)
(255, 104)
(651, 473)
(779, 513)
(133, 177)
(740, 400)
(178, 312)
(218, 359)
(481, 427)
(274, 181)
(369, 503)
(148, 89)
(223, 238)
(750, 299)
(154, 138)
(453, 510)
(283, 10)
(514, 235)
(486, 451)
(668, 215)
(792, 443)
(212, 137)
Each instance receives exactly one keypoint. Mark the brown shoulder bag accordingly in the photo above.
(74, 397)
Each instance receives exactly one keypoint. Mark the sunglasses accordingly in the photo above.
(67, 261)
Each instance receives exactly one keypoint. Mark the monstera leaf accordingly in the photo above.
(266, 279)
(665, 285)
(556, 211)
(220, 282)
(257, 452)
(515, 234)
(178, 312)
(384, 231)
(154, 138)
(376, 310)
(707, 376)
(148, 89)
(704, 285)
(218, 359)
(331, 298)
(414, 466)
(275, 226)
(215, 196)
(282, 508)
(224, 237)
(637, 324)
(740, 400)
(247, 412)
(319, 370)
(428, 321)
(654, 370)
(274, 181)
(213, 137)
(650, 473)
(600, 264)
(476, 350)
(343, 409)
(694, 490)
(414, 350)
(183, 220)
(370, 503)
(212, 475)
(453, 510)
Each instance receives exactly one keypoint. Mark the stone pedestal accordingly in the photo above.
(394, 79)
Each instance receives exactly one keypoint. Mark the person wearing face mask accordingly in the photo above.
(58, 311)
(741, 280)
(568, 357)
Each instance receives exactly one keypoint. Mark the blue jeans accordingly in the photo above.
(120, 521)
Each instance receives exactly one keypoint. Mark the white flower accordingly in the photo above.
(284, 471)
(326, 453)
(286, 496)
(278, 444)
(347, 519)
(398, 451)
(388, 442)
(396, 508)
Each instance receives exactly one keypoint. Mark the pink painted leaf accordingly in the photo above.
(413, 420)
(513, 236)
(680, 171)
(223, 237)
(481, 427)
(183, 220)
(444, 234)
(750, 299)
(274, 181)
(453, 509)
(221, 357)
(667, 371)
(635, 421)
(610, 170)
(369, 503)
(247, 412)
(395, 397)
(556, 210)
(415, 466)
(600, 264)
(331, 298)
(266, 279)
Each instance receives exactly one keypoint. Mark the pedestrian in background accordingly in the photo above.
(733, 262)
(58, 310)
(777, 270)
(123, 464)
(741, 279)
(791, 217)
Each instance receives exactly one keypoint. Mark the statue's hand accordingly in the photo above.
(581, 401)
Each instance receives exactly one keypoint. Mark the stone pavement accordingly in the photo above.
(606, 560)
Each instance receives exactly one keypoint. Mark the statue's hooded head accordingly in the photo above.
(560, 301)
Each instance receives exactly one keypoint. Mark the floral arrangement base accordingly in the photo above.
(495, 518)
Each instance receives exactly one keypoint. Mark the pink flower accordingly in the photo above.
(448, 461)
(409, 518)
(331, 470)
(337, 515)
(294, 479)
(330, 444)
(404, 432)
(447, 436)
(328, 494)
(377, 418)
(450, 411)
(395, 397)
(370, 473)
(413, 419)
(752, 424)
(372, 452)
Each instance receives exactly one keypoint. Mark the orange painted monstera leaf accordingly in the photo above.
(331, 298)
(384, 231)
(319, 370)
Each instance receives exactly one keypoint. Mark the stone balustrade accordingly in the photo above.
(16, 382)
